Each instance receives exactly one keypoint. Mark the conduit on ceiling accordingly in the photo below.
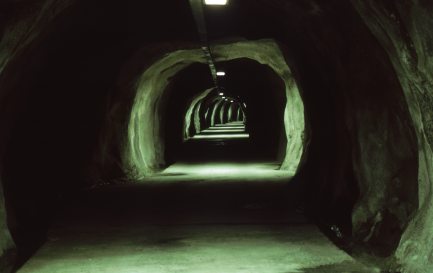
(198, 13)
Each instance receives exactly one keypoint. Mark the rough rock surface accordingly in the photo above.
(6, 243)
(404, 30)
(191, 117)
(19, 28)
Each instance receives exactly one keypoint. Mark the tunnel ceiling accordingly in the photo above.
(69, 74)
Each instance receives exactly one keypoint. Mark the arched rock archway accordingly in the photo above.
(145, 151)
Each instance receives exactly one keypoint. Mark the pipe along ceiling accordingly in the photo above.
(105, 92)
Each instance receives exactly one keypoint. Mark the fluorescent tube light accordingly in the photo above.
(215, 2)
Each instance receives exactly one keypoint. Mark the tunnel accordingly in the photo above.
(262, 136)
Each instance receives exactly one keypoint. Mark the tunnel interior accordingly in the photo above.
(250, 84)
(106, 109)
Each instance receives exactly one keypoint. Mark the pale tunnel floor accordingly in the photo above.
(219, 172)
(229, 130)
(192, 218)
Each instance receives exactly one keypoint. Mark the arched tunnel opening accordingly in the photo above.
(247, 136)
(147, 151)
(229, 124)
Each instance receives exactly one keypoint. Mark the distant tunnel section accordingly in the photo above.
(214, 114)
(268, 115)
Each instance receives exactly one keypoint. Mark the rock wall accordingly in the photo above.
(360, 139)
(7, 246)
(192, 118)
(20, 26)
(404, 30)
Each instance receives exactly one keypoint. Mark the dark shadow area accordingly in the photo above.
(188, 83)
(60, 86)
(228, 200)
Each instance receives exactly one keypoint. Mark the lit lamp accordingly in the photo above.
(221, 73)
(215, 2)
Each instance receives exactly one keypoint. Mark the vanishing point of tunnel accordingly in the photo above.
(216, 136)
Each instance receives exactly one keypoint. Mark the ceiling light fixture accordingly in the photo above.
(221, 73)
(215, 2)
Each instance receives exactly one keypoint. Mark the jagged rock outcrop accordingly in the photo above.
(404, 30)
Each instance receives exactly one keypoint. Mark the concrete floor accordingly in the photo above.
(230, 130)
(191, 249)
(229, 214)
(218, 172)
(239, 221)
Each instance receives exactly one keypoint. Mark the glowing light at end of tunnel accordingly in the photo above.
(224, 131)
(221, 136)
(226, 127)
(221, 73)
(215, 2)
